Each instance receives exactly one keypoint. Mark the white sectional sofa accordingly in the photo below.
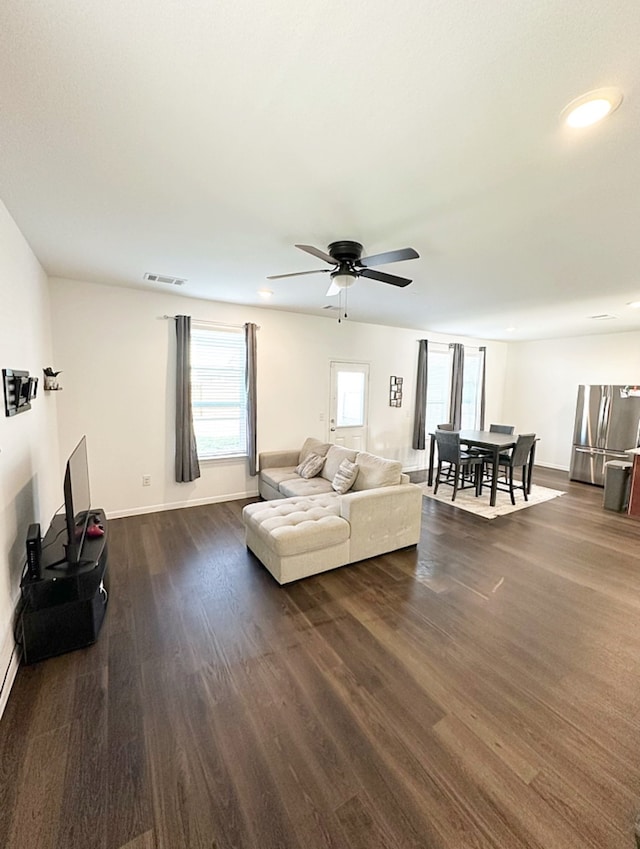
(304, 527)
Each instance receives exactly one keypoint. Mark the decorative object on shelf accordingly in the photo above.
(51, 379)
(395, 391)
(19, 391)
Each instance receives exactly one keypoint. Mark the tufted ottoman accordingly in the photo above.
(297, 537)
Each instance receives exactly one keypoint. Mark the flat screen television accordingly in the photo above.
(77, 501)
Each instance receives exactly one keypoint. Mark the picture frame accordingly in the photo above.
(395, 391)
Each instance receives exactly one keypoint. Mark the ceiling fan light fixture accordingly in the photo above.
(343, 280)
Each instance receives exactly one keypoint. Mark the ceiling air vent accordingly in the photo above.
(163, 278)
(603, 317)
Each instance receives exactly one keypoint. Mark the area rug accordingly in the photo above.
(466, 500)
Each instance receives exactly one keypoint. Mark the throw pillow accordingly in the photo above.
(311, 467)
(345, 476)
(313, 446)
(335, 455)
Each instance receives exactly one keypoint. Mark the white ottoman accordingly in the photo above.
(297, 537)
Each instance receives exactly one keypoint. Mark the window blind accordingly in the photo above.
(218, 395)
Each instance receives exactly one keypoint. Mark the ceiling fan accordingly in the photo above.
(349, 264)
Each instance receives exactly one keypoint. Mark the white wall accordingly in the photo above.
(542, 384)
(30, 481)
(116, 353)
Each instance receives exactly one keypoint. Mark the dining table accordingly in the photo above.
(494, 444)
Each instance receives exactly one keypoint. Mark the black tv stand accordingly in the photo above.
(64, 607)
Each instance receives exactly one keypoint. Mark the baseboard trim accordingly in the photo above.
(552, 466)
(237, 496)
(10, 655)
(179, 505)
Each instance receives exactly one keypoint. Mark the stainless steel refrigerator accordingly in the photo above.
(607, 424)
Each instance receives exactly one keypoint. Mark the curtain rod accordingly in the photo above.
(469, 347)
(213, 323)
(449, 344)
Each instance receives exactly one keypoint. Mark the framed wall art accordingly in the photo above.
(395, 391)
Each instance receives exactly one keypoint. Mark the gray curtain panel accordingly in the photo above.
(187, 466)
(420, 415)
(483, 351)
(252, 407)
(457, 372)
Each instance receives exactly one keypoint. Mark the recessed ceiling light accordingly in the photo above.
(265, 293)
(510, 329)
(591, 107)
(634, 305)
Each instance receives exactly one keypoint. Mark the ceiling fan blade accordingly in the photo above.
(298, 273)
(317, 252)
(389, 256)
(372, 274)
(333, 289)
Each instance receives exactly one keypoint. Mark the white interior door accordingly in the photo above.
(349, 404)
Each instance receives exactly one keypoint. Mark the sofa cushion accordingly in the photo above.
(274, 477)
(376, 471)
(345, 476)
(302, 486)
(310, 467)
(335, 455)
(313, 446)
(298, 525)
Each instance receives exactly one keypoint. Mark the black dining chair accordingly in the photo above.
(457, 462)
(519, 457)
(446, 426)
(498, 428)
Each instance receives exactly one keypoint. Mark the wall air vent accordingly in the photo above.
(163, 278)
(603, 317)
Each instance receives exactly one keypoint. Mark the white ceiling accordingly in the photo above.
(203, 139)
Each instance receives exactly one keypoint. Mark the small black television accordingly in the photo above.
(77, 501)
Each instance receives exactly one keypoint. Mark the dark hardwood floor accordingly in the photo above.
(480, 691)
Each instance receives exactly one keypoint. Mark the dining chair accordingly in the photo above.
(446, 426)
(519, 457)
(498, 428)
(457, 462)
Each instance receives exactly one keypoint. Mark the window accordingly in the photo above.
(218, 396)
(350, 398)
(438, 386)
(471, 389)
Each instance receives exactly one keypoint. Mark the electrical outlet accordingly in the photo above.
(146, 480)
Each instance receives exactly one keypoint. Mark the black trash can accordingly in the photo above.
(617, 480)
